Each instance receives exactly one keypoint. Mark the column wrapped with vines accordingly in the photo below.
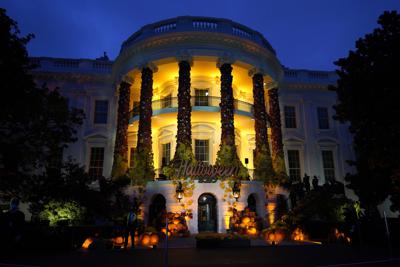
(143, 168)
(278, 161)
(183, 150)
(263, 169)
(227, 154)
(120, 163)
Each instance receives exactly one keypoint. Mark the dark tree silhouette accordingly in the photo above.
(368, 98)
(35, 123)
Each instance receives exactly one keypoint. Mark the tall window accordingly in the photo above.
(166, 102)
(100, 111)
(201, 97)
(328, 164)
(201, 150)
(294, 164)
(131, 156)
(290, 117)
(323, 118)
(96, 162)
(166, 154)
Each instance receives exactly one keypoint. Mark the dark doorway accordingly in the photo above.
(207, 213)
(252, 203)
(156, 211)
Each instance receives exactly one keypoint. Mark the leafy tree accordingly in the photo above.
(368, 93)
(35, 123)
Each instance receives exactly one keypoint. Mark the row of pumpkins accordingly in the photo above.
(276, 236)
(177, 225)
(146, 240)
(245, 222)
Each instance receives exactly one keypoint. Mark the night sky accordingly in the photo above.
(308, 34)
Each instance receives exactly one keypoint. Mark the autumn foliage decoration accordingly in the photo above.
(263, 169)
(120, 163)
(227, 154)
(143, 169)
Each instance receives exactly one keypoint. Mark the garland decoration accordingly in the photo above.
(276, 132)
(263, 169)
(143, 168)
(184, 135)
(120, 163)
(227, 154)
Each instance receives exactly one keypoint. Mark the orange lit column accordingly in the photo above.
(184, 134)
(121, 139)
(262, 157)
(276, 131)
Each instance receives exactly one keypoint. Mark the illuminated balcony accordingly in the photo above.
(198, 103)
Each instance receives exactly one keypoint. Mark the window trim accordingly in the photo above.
(93, 112)
(328, 118)
(296, 116)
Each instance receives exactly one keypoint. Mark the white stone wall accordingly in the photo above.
(167, 189)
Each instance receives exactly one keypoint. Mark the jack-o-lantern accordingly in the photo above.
(86, 244)
(245, 220)
(274, 236)
(118, 241)
(145, 240)
(154, 239)
(252, 231)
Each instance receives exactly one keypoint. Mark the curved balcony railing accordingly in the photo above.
(198, 103)
(197, 24)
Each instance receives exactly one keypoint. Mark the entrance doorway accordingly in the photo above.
(252, 203)
(207, 213)
(156, 211)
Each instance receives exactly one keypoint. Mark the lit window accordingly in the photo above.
(166, 102)
(294, 164)
(131, 156)
(323, 118)
(100, 111)
(96, 162)
(201, 150)
(201, 97)
(166, 154)
(290, 117)
(328, 164)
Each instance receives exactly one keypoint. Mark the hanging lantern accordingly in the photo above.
(236, 190)
(179, 191)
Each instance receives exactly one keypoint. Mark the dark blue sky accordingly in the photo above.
(308, 34)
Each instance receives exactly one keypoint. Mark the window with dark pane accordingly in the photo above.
(131, 156)
(100, 111)
(323, 118)
(201, 150)
(96, 162)
(290, 117)
(294, 164)
(328, 165)
(201, 97)
(166, 154)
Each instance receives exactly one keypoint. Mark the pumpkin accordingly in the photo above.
(252, 231)
(298, 235)
(145, 240)
(118, 241)
(154, 239)
(245, 220)
(176, 221)
(274, 236)
(86, 244)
